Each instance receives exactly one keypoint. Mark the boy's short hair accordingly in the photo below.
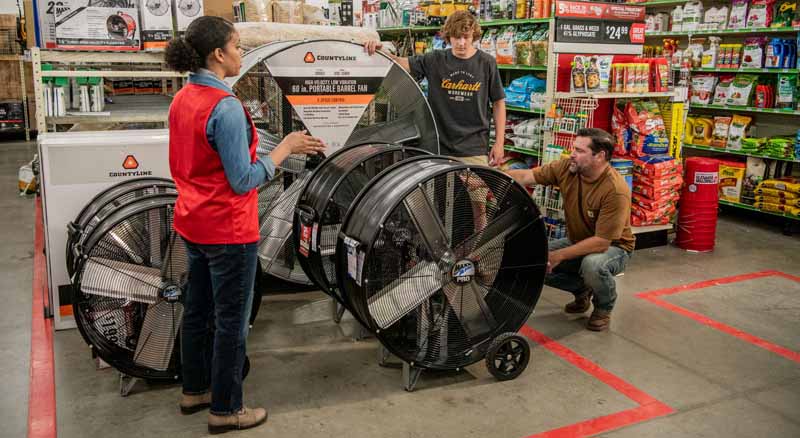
(460, 23)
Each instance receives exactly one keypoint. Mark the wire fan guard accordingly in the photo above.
(439, 258)
(396, 112)
(327, 197)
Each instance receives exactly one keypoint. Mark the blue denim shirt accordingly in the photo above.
(229, 134)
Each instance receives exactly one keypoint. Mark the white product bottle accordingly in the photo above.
(677, 19)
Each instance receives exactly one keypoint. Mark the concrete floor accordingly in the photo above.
(316, 381)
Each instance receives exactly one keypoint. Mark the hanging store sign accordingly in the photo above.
(599, 23)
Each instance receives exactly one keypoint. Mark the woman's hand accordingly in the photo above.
(299, 142)
(372, 46)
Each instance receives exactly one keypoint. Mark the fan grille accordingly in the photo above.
(459, 260)
(123, 304)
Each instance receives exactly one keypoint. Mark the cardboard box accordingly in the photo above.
(45, 24)
(82, 27)
(156, 24)
(186, 11)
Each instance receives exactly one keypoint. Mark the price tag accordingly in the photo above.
(616, 32)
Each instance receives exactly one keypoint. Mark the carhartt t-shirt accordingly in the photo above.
(459, 93)
(599, 208)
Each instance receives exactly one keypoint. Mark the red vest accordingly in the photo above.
(208, 211)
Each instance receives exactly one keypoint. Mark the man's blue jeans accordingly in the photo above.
(216, 318)
(594, 271)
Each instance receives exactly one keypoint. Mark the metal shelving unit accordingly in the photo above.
(23, 89)
(521, 67)
(743, 70)
(745, 31)
(526, 151)
(144, 108)
(525, 110)
(483, 23)
(734, 152)
(747, 109)
(564, 95)
(751, 208)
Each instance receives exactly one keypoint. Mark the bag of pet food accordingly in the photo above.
(778, 200)
(784, 13)
(505, 46)
(622, 134)
(786, 184)
(703, 129)
(775, 193)
(719, 137)
(648, 133)
(656, 166)
(723, 89)
(702, 89)
(742, 90)
(761, 13)
(738, 16)
(737, 131)
(489, 42)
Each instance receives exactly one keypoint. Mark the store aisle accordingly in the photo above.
(16, 256)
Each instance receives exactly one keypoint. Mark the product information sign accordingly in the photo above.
(599, 23)
(329, 87)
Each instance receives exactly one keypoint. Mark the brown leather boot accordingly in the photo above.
(194, 403)
(599, 321)
(581, 303)
(244, 419)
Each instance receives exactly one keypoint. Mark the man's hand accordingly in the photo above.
(372, 46)
(497, 155)
(554, 258)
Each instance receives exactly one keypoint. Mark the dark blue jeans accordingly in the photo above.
(217, 305)
(594, 271)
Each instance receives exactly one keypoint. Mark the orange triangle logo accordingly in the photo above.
(309, 58)
(130, 162)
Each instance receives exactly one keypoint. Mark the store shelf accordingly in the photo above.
(751, 208)
(412, 29)
(743, 70)
(747, 109)
(562, 95)
(526, 151)
(522, 67)
(525, 110)
(659, 3)
(491, 23)
(111, 74)
(133, 109)
(651, 228)
(77, 57)
(729, 151)
(746, 31)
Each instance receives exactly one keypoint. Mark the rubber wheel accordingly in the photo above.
(508, 356)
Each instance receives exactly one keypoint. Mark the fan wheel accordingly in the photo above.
(508, 356)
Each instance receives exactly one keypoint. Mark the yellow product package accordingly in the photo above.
(777, 208)
(787, 184)
(774, 200)
(775, 193)
(731, 175)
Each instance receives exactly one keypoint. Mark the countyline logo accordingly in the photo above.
(447, 84)
(130, 164)
(309, 58)
(336, 58)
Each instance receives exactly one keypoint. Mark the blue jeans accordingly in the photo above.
(217, 305)
(593, 271)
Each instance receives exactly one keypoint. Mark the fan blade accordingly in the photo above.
(176, 261)
(428, 224)
(113, 279)
(404, 294)
(157, 337)
(469, 304)
(507, 222)
(155, 229)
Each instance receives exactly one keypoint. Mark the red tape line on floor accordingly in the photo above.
(42, 394)
(649, 407)
(653, 297)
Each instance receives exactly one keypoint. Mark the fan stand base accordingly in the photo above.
(126, 384)
(410, 372)
(337, 313)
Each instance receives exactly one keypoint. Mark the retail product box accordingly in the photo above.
(673, 181)
(185, 12)
(655, 194)
(79, 26)
(156, 24)
(43, 11)
(657, 168)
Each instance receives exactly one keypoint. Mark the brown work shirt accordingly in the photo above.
(599, 208)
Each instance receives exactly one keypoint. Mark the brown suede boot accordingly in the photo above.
(581, 303)
(194, 403)
(244, 419)
(599, 321)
